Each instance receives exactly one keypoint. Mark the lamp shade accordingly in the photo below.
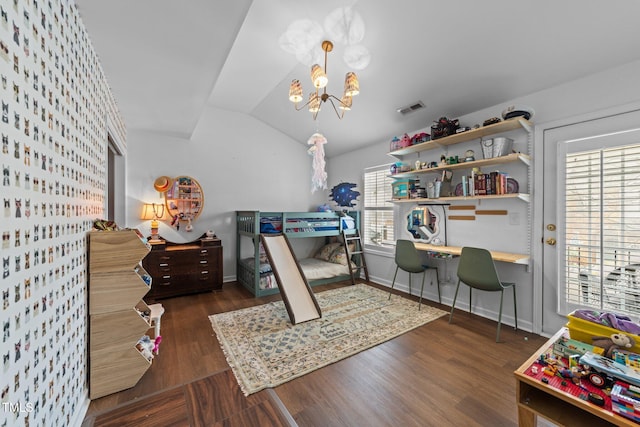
(162, 184)
(152, 211)
(295, 91)
(345, 103)
(314, 102)
(318, 76)
(351, 84)
(147, 211)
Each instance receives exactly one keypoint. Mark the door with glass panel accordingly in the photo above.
(591, 239)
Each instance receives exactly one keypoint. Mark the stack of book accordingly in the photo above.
(484, 184)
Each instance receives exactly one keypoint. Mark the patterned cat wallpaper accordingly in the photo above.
(55, 109)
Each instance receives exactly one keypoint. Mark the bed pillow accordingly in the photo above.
(338, 256)
(325, 252)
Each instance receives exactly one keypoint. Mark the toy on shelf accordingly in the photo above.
(145, 346)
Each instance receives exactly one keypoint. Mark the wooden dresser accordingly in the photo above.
(185, 268)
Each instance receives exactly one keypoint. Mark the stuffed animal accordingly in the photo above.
(615, 341)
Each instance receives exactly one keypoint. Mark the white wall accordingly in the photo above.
(241, 164)
(594, 93)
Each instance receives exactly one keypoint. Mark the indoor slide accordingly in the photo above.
(296, 293)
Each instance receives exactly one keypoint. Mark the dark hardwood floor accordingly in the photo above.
(440, 374)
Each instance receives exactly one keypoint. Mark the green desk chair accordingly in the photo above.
(408, 259)
(477, 270)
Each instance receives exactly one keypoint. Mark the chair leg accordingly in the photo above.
(438, 285)
(410, 292)
(500, 316)
(515, 307)
(470, 291)
(424, 274)
(393, 282)
(455, 297)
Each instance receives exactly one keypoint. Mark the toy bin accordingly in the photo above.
(584, 330)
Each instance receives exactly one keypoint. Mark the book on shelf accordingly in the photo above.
(485, 184)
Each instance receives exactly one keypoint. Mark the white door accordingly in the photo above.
(559, 143)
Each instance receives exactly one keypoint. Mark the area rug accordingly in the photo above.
(264, 349)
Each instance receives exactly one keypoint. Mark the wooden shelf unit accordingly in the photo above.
(517, 123)
(504, 126)
(116, 289)
(509, 158)
(185, 199)
(521, 196)
(535, 398)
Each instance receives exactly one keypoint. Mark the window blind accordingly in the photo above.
(378, 210)
(602, 232)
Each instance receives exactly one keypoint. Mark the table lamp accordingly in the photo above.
(153, 212)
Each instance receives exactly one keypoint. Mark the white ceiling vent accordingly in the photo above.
(411, 108)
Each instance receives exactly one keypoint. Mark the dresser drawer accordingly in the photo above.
(183, 269)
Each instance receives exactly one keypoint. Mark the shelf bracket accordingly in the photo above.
(525, 159)
(526, 126)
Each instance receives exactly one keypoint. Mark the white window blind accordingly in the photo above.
(602, 234)
(378, 210)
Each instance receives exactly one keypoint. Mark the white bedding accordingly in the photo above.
(315, 269)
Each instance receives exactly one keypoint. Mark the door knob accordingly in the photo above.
(551, 241)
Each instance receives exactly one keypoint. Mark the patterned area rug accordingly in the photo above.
(265, 350)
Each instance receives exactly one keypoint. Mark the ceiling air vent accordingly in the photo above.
(410, 108)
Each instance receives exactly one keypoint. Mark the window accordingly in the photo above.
(378, 210)
(602, 234)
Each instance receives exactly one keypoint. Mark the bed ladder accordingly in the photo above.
(358, 249)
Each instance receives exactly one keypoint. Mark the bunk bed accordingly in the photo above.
(254, 272)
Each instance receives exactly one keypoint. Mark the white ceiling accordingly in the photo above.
(166, 61)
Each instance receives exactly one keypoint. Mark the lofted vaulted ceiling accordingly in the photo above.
(166, 61)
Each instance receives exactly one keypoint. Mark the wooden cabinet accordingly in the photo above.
(181, 269)
(116, 289)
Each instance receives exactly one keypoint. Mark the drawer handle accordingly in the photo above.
(204, 251)
(164, 264)
(166, 277)
(165, 257)
(204, 272)
(204, 261)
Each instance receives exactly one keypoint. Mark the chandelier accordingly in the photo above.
(320, 80)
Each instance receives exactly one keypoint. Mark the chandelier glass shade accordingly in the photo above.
(320, 96)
